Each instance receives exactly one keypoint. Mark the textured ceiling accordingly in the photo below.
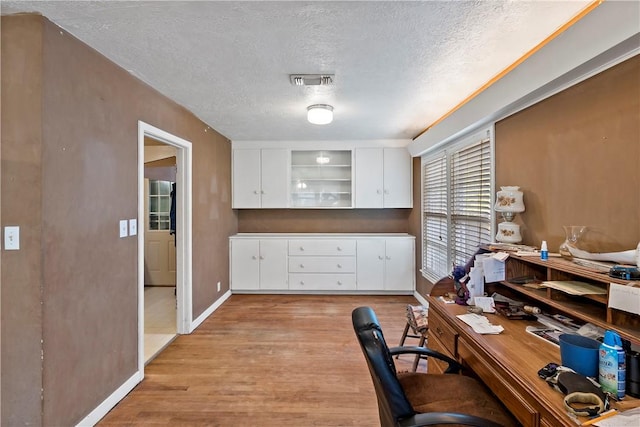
(399, 66)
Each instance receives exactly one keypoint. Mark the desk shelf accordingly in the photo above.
(587, 308)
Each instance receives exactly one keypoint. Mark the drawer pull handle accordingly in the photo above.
(388, 257)
(255, 191)
(261, 257)
(254, 257)
(380, 257)
(339, 249)
(339, 266)
(301, 249)
(301, 265)
(301, 283)
(339, 283)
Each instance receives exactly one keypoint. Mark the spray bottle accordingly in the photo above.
(612, 370)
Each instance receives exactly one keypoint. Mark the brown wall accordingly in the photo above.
(70, 176)
(323, 220)
(21, 163)
(576, 157)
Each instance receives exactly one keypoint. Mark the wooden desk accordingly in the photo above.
(507, 363)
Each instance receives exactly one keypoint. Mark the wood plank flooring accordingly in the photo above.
(267, 360)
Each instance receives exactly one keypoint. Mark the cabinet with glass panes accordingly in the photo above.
(321, 179)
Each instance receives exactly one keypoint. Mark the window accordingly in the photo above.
(456, 200)
(159, 204)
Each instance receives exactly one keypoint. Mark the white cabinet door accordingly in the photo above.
(245, 264)
(383, 178)
(258, 264)
(399, 264)
(273, 264)
(260, 178)
(397, 178)
(370, 262)
(369, 178)
(246, 178)
(274, 166)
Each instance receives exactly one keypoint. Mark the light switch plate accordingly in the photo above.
(11, 238)
(123, 228)
(133, 227)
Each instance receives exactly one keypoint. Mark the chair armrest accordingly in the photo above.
(454, 366)
(439, 418)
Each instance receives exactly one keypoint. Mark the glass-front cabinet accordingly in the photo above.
(321, 179)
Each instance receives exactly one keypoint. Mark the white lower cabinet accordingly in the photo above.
(386, 264)
(258, 264)
(357, 263)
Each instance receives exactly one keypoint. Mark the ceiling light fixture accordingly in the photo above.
(320, 114)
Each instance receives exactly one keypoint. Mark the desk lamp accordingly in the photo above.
(509, 202)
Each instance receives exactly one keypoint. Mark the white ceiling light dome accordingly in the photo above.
(320, 114)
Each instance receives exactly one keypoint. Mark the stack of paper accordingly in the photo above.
(480, 324)
(575, 287)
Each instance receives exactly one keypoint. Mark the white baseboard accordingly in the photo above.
(209, 311)
(420, 298)
(111, 401)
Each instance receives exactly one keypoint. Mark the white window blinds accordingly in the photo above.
(456, 206)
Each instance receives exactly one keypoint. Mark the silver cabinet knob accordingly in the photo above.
(339, 283)
(380, 257)
(261, 257)
(301, 282)
(339, 266)
(378, 192)
(301, 265)
(255, 191)
(339, 249)
(254, 257)
(301, 249)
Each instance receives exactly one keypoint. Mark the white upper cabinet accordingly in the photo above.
(383, 178)
(260, 178)
(321, 179)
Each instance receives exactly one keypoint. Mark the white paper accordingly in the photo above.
(486, 303)
(475, 285)
(480, 324)
(628, 418)
(624, 297)
(494, 270)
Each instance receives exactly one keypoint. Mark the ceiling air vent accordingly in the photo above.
(311, 79)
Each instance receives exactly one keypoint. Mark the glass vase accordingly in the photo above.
(573, 233)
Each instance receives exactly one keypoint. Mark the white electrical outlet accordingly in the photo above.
(124, 228)
(133, 227)
(12, 239)
(218, 286)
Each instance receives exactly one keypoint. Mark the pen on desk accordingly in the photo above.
(609, 413)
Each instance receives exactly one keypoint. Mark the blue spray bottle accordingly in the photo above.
(612, 369)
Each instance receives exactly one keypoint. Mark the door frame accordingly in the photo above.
(184, 259)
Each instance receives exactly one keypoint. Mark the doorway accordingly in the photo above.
(160, 305)
(181, 298)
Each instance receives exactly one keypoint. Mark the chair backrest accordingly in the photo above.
(392, 401)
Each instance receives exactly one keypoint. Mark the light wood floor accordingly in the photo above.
(266, 360)
(159, 319)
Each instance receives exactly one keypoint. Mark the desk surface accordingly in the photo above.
(515, 356)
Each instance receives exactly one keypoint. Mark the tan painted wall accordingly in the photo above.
(22, 176)
(576, 157)
(71, 175)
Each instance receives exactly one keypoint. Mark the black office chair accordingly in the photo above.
(418, 399)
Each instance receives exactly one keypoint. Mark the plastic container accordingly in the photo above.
(612, 365)
(544, 252)
(580, 354)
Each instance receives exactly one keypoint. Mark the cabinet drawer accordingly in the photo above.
(447, 336)
(436, 366)
(327, 264)
(322, 282)
(504, 388)
(322, 247)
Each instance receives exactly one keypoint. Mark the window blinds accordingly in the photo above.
(456, 207)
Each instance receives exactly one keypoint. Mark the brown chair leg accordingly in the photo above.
(404, 336)
(417, 359)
